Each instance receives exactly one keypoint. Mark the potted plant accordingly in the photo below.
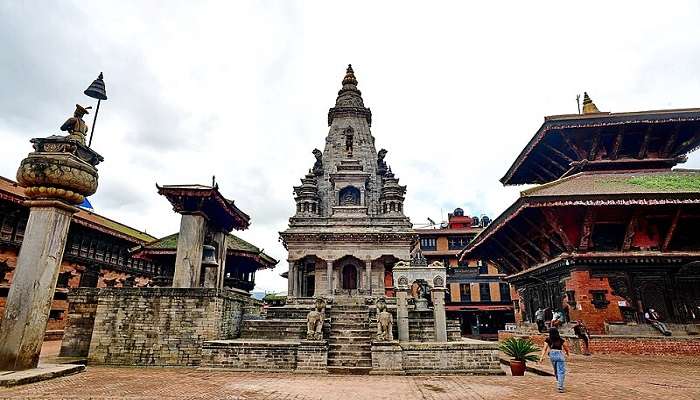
(520, 351)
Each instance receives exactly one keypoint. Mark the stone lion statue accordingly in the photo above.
(314, 320)
(385, 322)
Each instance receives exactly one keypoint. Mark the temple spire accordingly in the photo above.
(589, 106)
(349, 100)
(349, 79)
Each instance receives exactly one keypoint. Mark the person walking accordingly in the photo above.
(555, 347)
(581, 332)
(539, 318)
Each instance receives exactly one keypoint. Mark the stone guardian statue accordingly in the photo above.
(314, 320)
(385, 322)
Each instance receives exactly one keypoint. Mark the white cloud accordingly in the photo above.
(240, 90)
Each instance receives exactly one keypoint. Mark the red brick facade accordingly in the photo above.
(594, 317)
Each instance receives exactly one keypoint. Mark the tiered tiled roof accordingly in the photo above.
(235, 246)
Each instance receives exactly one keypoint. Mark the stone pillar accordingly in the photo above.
(33, 284)
(290, 279)
(329, 276)
(297, 272)
(402, 312)
(438, 297)
(220, 238)
(368, 277)
(188, 260)
(59, 172)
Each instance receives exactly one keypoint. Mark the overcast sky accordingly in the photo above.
(241, 90)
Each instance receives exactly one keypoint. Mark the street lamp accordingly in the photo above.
(96, 90)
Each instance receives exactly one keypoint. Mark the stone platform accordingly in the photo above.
(41, 373)
(469, 356)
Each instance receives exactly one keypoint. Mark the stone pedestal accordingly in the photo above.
(402, 313)
(312, 357)
(33, 284)
(438, 297)
(387, 358)
(188, 260)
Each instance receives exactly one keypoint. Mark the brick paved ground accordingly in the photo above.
(597, 377)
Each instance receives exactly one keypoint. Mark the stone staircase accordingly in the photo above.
(349, 344)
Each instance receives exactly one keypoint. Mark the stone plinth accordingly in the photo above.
(156, 326)
(312, 357)
(387, 358)
(250, 355)
(466, 357)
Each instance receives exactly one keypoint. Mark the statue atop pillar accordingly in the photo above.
(75, 126)
(385, 322)
(314, 320)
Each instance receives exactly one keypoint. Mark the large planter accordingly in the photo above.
(517, 368)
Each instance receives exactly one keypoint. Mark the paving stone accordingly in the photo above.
(596, 377)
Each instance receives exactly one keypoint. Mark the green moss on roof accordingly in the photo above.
(684, 182)
(233, 243)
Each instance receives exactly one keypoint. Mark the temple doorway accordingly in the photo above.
(349, 277)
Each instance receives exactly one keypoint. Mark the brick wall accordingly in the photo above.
(609, 344)
(80, 322)
(162, 326)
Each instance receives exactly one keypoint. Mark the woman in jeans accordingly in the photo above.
(555, 347)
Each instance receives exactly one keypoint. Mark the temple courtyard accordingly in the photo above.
(596, 377)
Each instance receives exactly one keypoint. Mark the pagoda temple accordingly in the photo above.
(611, 229)
(349, 227)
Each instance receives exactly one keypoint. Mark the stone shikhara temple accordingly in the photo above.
(349, 227)
(360, 301)
(611, 230)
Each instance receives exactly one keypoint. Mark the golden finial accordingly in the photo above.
(349, 77)
(589, 106)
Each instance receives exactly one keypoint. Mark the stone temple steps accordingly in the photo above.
(349, 346)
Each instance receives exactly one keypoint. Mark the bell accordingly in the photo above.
(208, 256)
(97, 89)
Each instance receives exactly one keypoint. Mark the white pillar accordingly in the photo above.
(329, 276)
(368, 277)
(188, 260)
(33, 284)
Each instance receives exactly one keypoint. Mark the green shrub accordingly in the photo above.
(520, 349)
